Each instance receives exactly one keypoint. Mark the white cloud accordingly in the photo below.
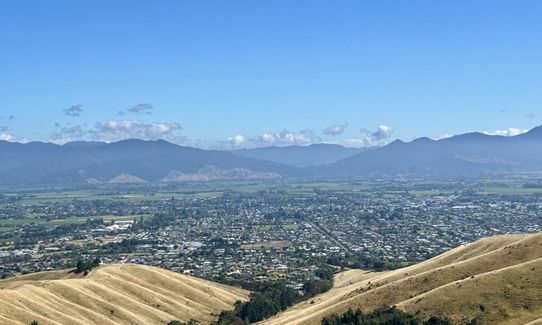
(237, 140)
(510, 132)
(373, 138)
(283, 138)
(335, 129)
(7, 137)
(307, 136)
(382, 132)
(115, 130)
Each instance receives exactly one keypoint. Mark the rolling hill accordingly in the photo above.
(497, 280)
(112, 295)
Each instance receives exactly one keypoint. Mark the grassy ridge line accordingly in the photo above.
(449, 274)
(513, 291)
(112, 295)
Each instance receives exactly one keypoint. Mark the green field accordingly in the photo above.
(301, 188)
(512, 190)
(290, 226)
(7, 225)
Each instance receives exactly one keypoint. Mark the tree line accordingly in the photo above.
(383, 316)
(268, 299)
(86, 266)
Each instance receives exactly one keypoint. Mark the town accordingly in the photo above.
(288, 232)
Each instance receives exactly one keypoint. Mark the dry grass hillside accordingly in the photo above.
(497, 279)
(111, 295)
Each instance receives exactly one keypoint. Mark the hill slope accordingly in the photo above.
(497, 280)
(114, 294)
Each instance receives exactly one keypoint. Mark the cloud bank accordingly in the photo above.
(283, 138)
(370, 138)
(7, 137)
(510, 132)
(307, 136)
(115, 130)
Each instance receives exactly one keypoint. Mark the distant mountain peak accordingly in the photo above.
(462, 155)
(467, 137)
(396, 142)
(423, 140)
(534, 133)
(127, 161)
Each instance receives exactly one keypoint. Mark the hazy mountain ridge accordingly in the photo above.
(302, 156)
(470, 154)
(461, 155)
(45, 163)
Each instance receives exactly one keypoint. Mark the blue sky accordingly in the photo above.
(251, 73)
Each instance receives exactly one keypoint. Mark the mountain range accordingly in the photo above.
(471, 154)
(120, 162)
(462, 155)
